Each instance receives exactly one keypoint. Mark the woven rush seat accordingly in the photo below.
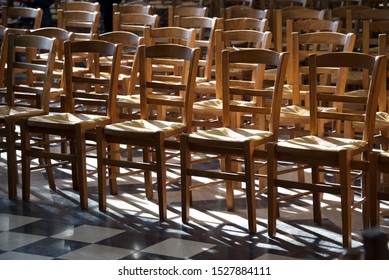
(232, 135)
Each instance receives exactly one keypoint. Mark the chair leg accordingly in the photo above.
(185, 157)
(374, 182)
(272, 189)
(73, 151)
(250, 187)
(147, 174)
(49, 168)
(12, 165)
(346, 196)
(317, 217)
(26, 161)
(229, 184)
(161, 177)
(81, 168)
(101, 169)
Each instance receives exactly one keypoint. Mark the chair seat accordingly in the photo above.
(66, 119)
(6, 111)
(231, 135)
(381, 123)
(206, 87)
(357, 93)
(382, 120)
(334, 144)
(300, 113)
(143, 126)
(128, 99)
(215, 106)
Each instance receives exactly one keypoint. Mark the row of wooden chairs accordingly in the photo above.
(81, 185)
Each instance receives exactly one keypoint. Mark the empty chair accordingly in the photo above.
(342, 155)
(84, 24)
(186, 11)
(280, 17)
(90, 100)
(21, 17)
(23, 99)
(57, 85)
(134, 23)
(152, 136)
(231, 141)
(207, 109)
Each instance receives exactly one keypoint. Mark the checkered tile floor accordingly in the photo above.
(52, 226)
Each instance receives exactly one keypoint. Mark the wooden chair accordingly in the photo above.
(354, 21)
(166, 67)
(153, 136)
(339, 13)
(208, 109)
(4, 55)
(90, 101)
(129, 63)
(186, 11)
(280, 17)
(329, 153)
(128, 77)
(295, 114)
(205, 40)
(230, 140)
(23, 99)
(134, 23)
(21, 17)
(379, 159)
(83, 24)
(57, 86)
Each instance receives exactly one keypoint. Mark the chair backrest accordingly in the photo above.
(132, 8)
(21, 17)
(245, 23)
(318, 95)
(83, 24)
(205, 40)
(4, 49)
(129, 66)
(134, 23)
(80, 6)
(170, 34)
(152, 87)
(280, 17)
(185, 11)
(318, 43)
(264, 103)
(354, 21)
(89, 91)
(22, 49)
(236, 40)
(60, 34)
(238, 11)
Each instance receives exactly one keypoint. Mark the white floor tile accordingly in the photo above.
(178, 248)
